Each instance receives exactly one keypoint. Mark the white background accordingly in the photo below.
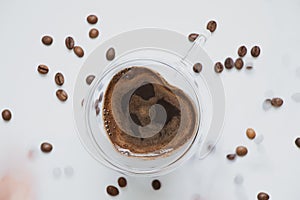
(271, 166)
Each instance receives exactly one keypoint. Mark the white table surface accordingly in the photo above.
(38, 116)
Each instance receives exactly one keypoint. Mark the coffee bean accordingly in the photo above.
(250, 133)
(112, 190)
(122, 182)
(6, 115)
(110, 54)
(219, 67)
(229, 63)
(47, 40)
(156, 185)
(69, 42)
(211, 26)
(242, 51)
(231, 156)
(59, 79)
(43, 69)
(239, 63)
(89, 79)
(255, 51)
(97, 111)
(263, 196)
(92, 19)
(46, 147)
(78, 51)
(241, 151)
(297, 142)
(61, 95)
(93, 33)
(197, 67)
(193, 36)
(249, 67)
(276, 102)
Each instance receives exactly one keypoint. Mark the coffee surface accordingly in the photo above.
(143, 114)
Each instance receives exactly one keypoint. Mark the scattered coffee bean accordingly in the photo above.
(110, 54)
(92, 19)
(263, 196)
(46, 147)
(250, 133)
(228, 63)
(47, 40)
(97, 111)
(255, 51)
(6, 115)
(156, 184)
(78, 51)
(61, 95)
(297, 142)
(89, 79)
(231, 156)
(193, 37)
(59, 79)
(112, 190)
(93, 33)
(249, 67)
(219, 67)
(241, 151)
(276, 102)
(122, 182)
(211, 26)
(239, 63)
(242, 51)
(197, 67)
(43, 69)
(69, 41)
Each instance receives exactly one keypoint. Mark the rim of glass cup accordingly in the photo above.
(188, 151)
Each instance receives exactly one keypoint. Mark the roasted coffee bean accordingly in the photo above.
(59, 79)
(89, 79)
(276, 102)
(6, 115)
(249, 67)
(219, 67)
(110, 54)
(43, 69)
(46, 147)
(92, 19)
(193, 37)
(156, 185)
(78, 51)
(112, 190)
(211, 26)
(239, 63)
(255, 51)
(241, 151)
(69, 42)
(297, 142)
(263, 196)
(231, 156)
(93, 33)
(62, 95)
(197, 67)
(228, 63)
(250, 133)
(242, 51)
(47, 40)
(122, 182)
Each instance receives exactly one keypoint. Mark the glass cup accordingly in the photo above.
(177, 71)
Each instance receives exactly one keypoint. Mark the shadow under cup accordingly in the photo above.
(191, 128)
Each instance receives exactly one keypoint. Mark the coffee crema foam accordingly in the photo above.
(145, 116)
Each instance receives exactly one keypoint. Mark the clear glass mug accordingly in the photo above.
(177, 70)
